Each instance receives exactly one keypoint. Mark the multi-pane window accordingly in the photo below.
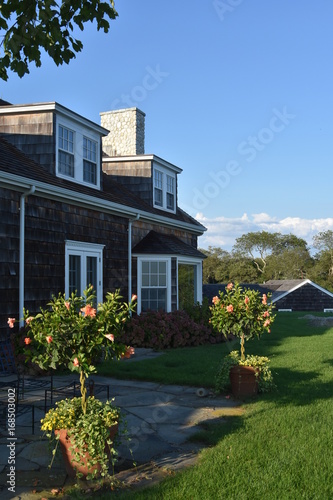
(83, 267)
(66, 151)
(154, 286)
(170, 192)
(158, 188)
(164, 189)
(89, 161)
(78, 153)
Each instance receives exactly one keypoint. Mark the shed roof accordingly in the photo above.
(157, 243)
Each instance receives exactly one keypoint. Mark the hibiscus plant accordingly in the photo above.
(241, 312)
(74, 334)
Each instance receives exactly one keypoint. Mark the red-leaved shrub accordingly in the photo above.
(161, 330)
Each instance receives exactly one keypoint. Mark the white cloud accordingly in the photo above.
(223, 231)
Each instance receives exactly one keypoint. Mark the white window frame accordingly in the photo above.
(80, 133)
(165, 173)
(153, 258)
(84, 250)
(197, 263)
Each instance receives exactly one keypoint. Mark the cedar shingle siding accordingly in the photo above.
(61, 209)
(306, 298)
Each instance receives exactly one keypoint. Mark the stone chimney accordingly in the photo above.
(127, 132)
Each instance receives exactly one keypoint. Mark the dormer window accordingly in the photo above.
(170, 194)
(164, 189)
(89, 161)
(78, 154)
(66, 151)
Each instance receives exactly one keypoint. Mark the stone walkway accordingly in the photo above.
(160, 419)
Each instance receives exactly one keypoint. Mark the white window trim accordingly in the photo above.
(79, 133)
(154, 258)
(165, 171)
(86, 250)
(198, 265)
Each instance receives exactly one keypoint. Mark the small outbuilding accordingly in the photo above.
(287, 295)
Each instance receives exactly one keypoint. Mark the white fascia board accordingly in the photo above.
(153, 158)
(17, 182)
(52, 107)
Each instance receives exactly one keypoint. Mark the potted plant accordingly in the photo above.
(246, 314)
(74, 333)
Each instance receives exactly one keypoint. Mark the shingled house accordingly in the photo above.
(82, 203)
(286, 295)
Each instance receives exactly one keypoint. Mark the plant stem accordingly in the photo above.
(83, 392)
(242, 347)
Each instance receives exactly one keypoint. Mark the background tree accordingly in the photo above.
(215, 266)
(324, 243)
(292, 263)
(29, 26)
(257, 246)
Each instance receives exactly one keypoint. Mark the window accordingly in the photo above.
(83, 267)
(164, 189)
(158, 188)
(89, 161)
(187, 285)
(66, 151)
(154, 285)
(170, 192)
(189, 282)
(78, 154)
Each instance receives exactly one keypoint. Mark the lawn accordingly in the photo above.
(282, 446)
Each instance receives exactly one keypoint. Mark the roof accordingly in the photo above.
(161, 244)
(277, 288)
(281, 288)
(212, 289)
(18, 169)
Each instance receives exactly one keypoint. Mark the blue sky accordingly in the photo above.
(237, 93)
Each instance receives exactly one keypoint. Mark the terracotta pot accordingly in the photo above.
(244, 382)
(72, 467)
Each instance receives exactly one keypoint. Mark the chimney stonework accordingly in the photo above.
(126, 132)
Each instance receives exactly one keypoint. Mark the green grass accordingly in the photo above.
(282, 445)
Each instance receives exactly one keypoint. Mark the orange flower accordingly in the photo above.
(67, 305)
(128, 353)
(49, 339)
(27, 341)
(215, 300)
(230, 308)
(246, 300)
(11, 322)
(267, 322)
(88, 310)
(28, 320)
(266, 314)
(76, 362)
(230, 286)
(110, 336)
(134, 297)
(264, 299)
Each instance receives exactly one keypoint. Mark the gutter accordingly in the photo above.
(130, 221)
(68, 196)
(22, 242)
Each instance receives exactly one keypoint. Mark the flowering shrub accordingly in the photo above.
(74, 334)
(243, 313)
(162, 330)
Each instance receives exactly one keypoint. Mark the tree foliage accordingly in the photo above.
(28, 27)
(259, 257)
